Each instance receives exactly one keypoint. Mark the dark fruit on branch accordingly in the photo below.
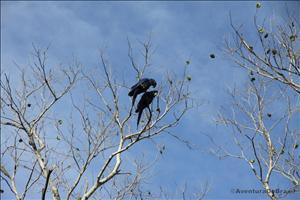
(187, 62)
(294, 182)
(296, 146)
(261, 30)
(258, 5)
(274, 51)
(293, 37)
(268, 51)
(252, 79)
(29, 105)
(212, 56)
(20, 140)
(31, 143)
(269, 115)
(266, 35)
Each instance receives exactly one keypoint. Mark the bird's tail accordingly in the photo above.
(132, 104)
(139, 118)
(133, 99)
(131, 93)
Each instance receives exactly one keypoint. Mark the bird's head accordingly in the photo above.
(153, 82)
(154, 93)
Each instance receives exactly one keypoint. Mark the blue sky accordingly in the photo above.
(180, 31)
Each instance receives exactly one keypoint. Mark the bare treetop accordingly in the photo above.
(57, 153)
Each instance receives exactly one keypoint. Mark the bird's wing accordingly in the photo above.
(145, 85)
(140, 82)
(134, 87)
(134, 94)
(141, 103)
(148, 98)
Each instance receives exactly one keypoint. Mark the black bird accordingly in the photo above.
(140, 87)
(144, 102)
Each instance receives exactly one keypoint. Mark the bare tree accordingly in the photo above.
(267, 139)
(264, 116)
(275, 53)
(67, 131)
